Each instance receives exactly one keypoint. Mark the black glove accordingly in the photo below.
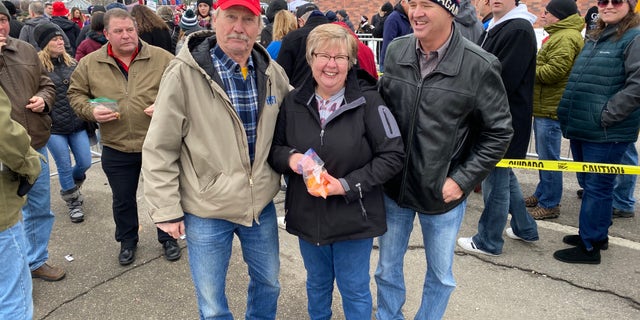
(24, 186)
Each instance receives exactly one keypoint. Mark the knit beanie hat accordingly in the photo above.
(59, 9)
(188, 20)
(450, 5)
(114, 5)
(43, 33)
(331, 16)
(208, 2)
(10, 7)
(97, 8)
(3, 10)
(561, 9)
(387, 7)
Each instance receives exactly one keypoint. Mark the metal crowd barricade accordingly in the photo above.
(374, 43)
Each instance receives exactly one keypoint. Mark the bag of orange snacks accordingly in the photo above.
(312, 169)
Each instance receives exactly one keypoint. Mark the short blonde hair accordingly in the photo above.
(332, 35)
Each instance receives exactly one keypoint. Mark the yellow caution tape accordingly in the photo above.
(569, 166)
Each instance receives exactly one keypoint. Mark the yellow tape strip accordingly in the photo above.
(569, 166)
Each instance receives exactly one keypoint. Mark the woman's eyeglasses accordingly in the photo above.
(615, 3)
(325, 58)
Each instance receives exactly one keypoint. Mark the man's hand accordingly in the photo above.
(174, 229)
(104, 114)
(451, 191)
(149, 110)
(36, 104)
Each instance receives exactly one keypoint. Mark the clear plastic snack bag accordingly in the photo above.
(312, 169)
(107, 103)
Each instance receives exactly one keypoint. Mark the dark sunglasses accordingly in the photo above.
(615, 3)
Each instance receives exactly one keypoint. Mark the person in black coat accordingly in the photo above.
(347, 123)
(151, 28)
(70, 28)
(513, 41)
(294, 45)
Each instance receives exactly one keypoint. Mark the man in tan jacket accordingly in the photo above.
(205, 157)
(127, 71)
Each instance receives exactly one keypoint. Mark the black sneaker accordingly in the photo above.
(575, 240)
(578, 254)
(127, 256)
(579, 193)
(172, 251)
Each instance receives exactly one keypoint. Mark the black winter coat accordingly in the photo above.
(513, 42)
(293, 50)
(159, 38)
(360, 144)
(64, 119)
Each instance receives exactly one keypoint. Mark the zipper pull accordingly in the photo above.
(251, 182)
(364, 211)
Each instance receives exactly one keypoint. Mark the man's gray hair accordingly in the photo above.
(37, 8)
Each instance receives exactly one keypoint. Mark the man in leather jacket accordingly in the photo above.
(452, 110)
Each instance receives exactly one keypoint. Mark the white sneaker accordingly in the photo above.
(468, 245)
(510, 234)
(281, 223)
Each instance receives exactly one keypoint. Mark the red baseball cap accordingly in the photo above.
(252, 5)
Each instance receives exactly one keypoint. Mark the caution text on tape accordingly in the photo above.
(569, 166)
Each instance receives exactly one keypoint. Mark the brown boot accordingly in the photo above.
(531, 201)
(48, 273)
(540, 213)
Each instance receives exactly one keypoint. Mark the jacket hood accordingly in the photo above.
(36, 21)
(274, 7)
(199, 44)
(519, 12)
(97, 37)
(64, 23)
(574, 21)
(466, 13)
(400, 9)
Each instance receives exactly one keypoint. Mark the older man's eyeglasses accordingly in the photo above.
(615, 3)
(325, 58)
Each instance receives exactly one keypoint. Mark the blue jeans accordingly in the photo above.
(502, 195)
(209, 242)
(597, 199)
(625, 184)
(439, 233)
(548, 139)
(38, 218)
(15, 282)
(59, 147)
(348, 263)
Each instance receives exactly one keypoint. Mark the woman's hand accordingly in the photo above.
(293, 162)
(334, 188)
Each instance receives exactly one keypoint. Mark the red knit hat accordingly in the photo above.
(59, 9)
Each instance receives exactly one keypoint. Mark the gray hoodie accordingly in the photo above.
(467, 21)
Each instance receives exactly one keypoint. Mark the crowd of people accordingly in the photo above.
(212, 103)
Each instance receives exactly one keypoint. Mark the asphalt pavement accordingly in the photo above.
(525, 282)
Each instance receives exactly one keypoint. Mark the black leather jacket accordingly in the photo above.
(455, 122)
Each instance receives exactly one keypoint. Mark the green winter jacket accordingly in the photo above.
(554, 63)
(17, 159)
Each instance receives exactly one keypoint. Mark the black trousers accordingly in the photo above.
(123, 172)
